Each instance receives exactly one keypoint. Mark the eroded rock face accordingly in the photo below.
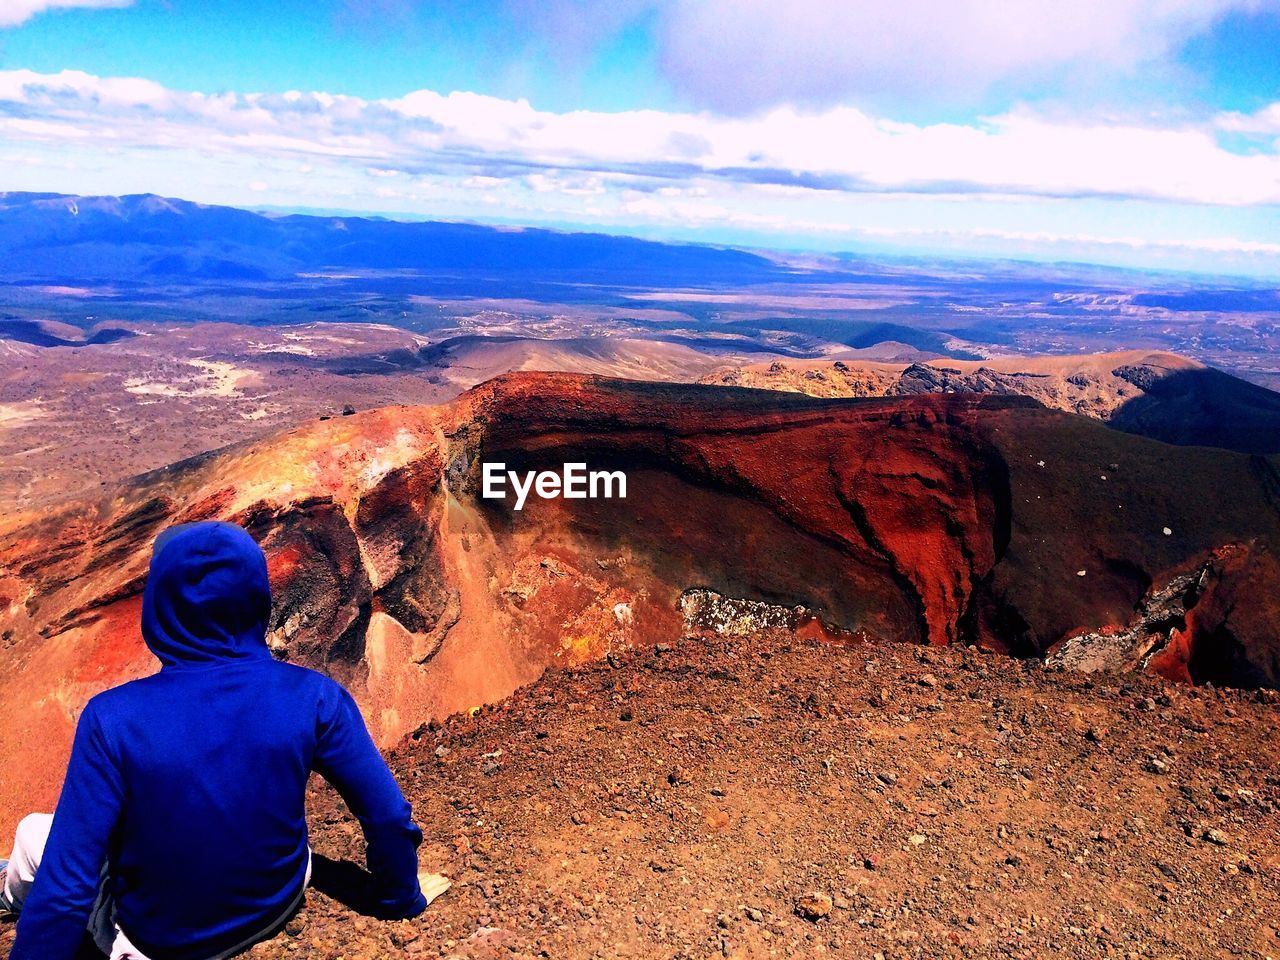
(931, 519)
(1152, 635)
(1228, 637)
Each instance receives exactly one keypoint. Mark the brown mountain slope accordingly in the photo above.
(467, 360)
(715, 800)
(1153, 394)
(773, 798)
(1090, 384)
(944, 519)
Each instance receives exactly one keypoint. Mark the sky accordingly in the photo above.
(1141, 133)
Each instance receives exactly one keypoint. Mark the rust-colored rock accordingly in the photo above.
(940, 519)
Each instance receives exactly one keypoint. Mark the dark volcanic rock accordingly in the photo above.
(1205, 407)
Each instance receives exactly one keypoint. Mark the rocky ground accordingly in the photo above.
(796, 799)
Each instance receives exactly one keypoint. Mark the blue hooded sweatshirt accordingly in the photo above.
(190, 784)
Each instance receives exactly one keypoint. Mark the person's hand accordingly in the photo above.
(433, 884)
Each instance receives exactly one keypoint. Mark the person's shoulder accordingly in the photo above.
(116, 699)
(304, 685)
(296, 675)
(297, 672)
(107, 712)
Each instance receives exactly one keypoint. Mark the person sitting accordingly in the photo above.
(180, 833)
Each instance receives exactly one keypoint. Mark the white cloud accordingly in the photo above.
(15, 12)
(747, 54)
(1016, 181)
(841, 150)
(1264, 122)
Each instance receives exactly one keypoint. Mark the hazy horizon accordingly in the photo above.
(769, 245)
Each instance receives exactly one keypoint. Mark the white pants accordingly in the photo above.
(28, 847)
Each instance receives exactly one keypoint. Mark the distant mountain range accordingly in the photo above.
(146, 237)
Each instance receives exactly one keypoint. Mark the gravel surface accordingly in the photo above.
(795, 799)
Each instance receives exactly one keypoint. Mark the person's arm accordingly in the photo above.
(348, 759)
(56, 912)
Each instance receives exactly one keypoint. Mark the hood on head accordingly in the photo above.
(207, 597)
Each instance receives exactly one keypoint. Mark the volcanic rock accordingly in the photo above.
(925, 519)
(1150, 393)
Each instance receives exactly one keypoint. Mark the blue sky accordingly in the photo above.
(1137, 132)
(372, 50)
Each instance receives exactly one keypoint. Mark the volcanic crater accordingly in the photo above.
(949, 520)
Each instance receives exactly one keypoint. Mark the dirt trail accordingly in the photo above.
(777, 798)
